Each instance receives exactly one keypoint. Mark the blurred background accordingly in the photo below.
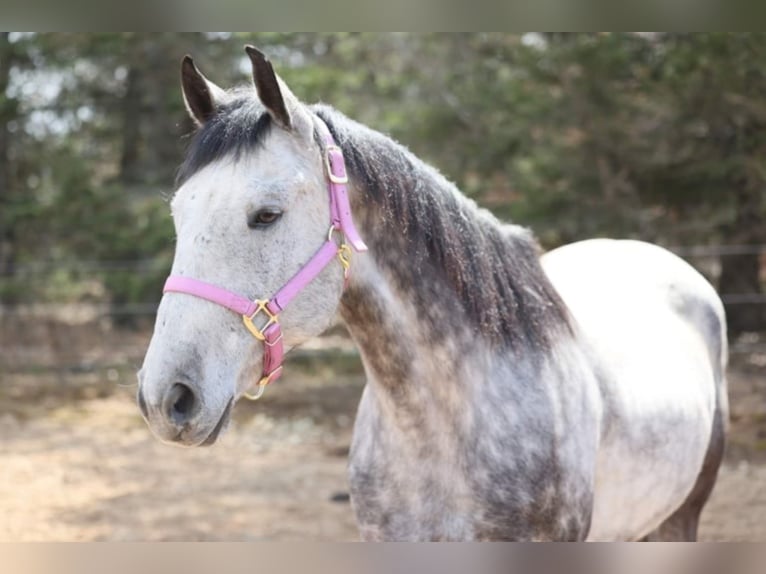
(659, 137)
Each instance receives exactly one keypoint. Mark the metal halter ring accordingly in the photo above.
(258, 393)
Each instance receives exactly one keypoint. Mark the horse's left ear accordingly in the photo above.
(274, 94)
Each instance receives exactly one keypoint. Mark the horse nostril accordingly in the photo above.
(179, 404)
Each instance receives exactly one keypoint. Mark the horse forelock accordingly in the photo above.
(238, 126)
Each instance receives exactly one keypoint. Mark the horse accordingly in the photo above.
(578, 394)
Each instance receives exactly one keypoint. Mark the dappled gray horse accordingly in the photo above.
(509, 397)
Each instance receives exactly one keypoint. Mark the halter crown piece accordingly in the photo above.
(261, 316)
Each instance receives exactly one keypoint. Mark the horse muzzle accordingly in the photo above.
(178, 417)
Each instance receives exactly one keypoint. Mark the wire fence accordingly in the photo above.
(57, 334)
(710, 259)
(706, 258)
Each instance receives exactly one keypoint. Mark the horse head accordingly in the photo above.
(250, 212)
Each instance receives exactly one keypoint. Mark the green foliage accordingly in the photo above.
(658, 136)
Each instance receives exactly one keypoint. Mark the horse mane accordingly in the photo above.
(493, 268)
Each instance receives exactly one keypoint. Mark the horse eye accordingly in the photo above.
(263, 218)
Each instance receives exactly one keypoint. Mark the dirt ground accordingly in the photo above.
(78, 463)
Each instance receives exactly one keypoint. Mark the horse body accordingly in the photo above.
(456, 439)
(657, 332)
(580, 398)
(603, 439)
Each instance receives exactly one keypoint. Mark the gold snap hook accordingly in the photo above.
(344, 254)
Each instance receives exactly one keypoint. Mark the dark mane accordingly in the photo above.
(492, 268)
(237, 127)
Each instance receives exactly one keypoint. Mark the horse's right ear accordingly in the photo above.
(201, 96)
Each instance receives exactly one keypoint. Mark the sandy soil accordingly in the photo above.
(78, 463)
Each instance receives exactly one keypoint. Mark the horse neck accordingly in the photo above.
(417, 343)
(445, 289)
(414, 353)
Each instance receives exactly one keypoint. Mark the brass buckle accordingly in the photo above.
(333, 178)
(258, 393)
(344, 254)
(248, 321)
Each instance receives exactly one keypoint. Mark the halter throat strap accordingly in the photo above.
(261, 316)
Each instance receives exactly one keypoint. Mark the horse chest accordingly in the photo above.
(469, 482)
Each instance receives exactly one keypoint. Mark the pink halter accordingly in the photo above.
(269, 331)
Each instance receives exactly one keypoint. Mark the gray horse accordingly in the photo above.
(576, 396)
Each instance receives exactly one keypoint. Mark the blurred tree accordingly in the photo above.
(7, 115)
(655, 136)
(82, 131)
(715, 166)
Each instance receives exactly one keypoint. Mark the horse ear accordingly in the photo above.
(272, 91)
(201, 96)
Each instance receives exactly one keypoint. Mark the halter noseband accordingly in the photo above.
(266, 311)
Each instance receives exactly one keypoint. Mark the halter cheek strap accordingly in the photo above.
(261, 316)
